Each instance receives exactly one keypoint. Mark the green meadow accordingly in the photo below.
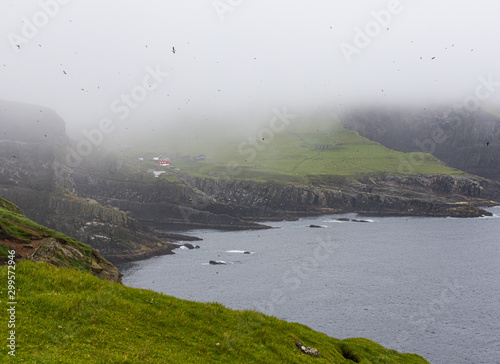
(296, 154)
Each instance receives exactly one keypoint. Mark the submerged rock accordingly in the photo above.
(191, 246)
(218, 262)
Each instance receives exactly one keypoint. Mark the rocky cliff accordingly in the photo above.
(29, 240)
(467, 140)
(162, 203)
(430, 195)
(33, 174)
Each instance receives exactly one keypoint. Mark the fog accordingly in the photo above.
(236, 60)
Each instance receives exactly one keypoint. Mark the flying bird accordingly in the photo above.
(173, 50)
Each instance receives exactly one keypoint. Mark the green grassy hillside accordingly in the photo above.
(15, 226)
(28, 238)
(68, 316)
(292, 155)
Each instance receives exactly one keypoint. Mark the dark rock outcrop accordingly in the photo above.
(160, 203)
(56, 253)
(407, 195)
(217, 262)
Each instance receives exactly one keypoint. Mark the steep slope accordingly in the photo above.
(76, 318)
(467, 140)
(32, 241)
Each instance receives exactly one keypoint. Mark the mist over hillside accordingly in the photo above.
(464, 139)
(159, 68)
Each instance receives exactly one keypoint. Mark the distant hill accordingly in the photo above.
(295, 154)
(30, 123)
(469, 141)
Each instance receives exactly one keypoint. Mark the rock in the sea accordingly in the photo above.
(343, 219)
(354, 220)
(247, 253)
(191, 246)
(315, 226)
(308, 350)
(218, 262)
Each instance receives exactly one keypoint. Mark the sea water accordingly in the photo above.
(429, 286)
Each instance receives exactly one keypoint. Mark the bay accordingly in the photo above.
(414, 284)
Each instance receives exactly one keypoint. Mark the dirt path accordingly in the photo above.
(22, 248)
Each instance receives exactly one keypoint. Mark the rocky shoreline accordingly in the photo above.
(116, 212)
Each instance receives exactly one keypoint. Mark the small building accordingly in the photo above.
(164, 162)
(200, 157)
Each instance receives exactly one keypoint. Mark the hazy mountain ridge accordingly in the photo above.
(467, 140)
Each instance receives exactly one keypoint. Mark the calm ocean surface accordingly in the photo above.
(429, 286)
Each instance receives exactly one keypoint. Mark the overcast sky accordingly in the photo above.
(239, 59)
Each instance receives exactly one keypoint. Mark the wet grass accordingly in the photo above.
(68, 316)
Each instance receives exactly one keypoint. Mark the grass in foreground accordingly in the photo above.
(68, 316)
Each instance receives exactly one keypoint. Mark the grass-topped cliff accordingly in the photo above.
(68, 316)
(292, 155)
(34, 241)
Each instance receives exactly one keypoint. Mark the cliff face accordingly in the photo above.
(29, 240)
(462, 139)
(33, 146)
(433, 195)
(158, 202)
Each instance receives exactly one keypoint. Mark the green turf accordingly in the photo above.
(4, 250)
(67, 316)
(288, 156)
(292, 155)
